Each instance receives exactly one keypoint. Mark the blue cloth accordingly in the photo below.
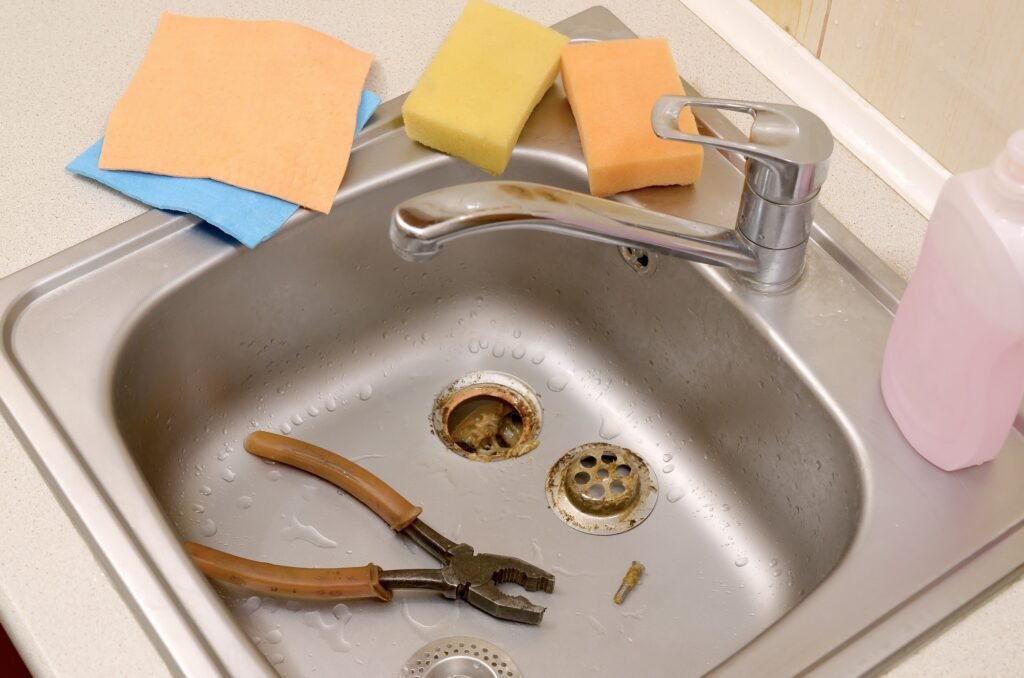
(247, 216)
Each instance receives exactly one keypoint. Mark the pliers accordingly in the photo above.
(473, 577)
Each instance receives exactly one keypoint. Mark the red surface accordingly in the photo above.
(11, 665)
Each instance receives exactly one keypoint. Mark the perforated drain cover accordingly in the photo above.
(460, 657)
(601, 489)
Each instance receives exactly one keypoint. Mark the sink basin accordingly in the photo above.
(794, 530)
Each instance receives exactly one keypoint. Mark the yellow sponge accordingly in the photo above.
(476, 95)
(612, 87)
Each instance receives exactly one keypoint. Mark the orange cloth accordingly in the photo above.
(265, 105)
(612, 87)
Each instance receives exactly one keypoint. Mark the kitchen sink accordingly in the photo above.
(793, 529)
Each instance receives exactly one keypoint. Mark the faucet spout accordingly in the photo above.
(422, 225)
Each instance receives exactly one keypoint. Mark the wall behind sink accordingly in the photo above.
(946, 72)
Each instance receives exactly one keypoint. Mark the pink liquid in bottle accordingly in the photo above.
(953, 372)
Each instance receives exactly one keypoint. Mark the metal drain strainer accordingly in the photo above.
(460, 657)
(601, 489)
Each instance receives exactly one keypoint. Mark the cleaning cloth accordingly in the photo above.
(247, 216)
(264, 105)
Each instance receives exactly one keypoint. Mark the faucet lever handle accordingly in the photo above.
(787, 153)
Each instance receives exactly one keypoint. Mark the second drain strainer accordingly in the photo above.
(601, 489)
(460, 657)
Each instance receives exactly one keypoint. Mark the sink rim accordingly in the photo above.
(69, 474)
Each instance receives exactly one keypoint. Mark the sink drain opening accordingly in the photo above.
(460, 657)
(488, 416)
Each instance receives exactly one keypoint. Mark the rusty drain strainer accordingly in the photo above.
(601, 489)
(460, 657)
(488, 416)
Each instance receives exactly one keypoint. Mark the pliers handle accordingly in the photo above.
(465, 574)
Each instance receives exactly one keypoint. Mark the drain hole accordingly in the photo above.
(617, 487)
(602, 473)
(582, 478)
(595, 491)
(622, 470)
(609, 458)
(588, 462)
(485, 424)
(487, 416)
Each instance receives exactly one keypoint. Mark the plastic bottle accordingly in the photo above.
(953, 373)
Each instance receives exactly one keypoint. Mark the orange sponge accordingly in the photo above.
(612, 87)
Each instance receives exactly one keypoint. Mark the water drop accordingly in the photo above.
(251, 604)
(537, 359)
(558, 382)
(285, 428)
(273, 475)
(666, 457)
(297, 419)
(227, 474)
(275, 658)
(517, 333)
(365, 392)
(306, 533)
(674, 495)
(518, 352)
(484, 342)
(273, 637)
(308, 491)
(243, 502)
(205, 490)
(225, 453)
(741, 561)
(198, 508)
(498, 350)
(331, 404)
(208, 528)
(726, 507)
(668, 468)
(312, 411)
(609, 428)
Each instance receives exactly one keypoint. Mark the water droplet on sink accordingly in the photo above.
(251, 604)
(518, 352)
(332, 631)
(228, 475)
(741, 561)
(306, 533)
(498, 350)
(666, 457)
(609, 428)
(474, 346)
(205, 490)
(243, 502)
(275, 658)
(225, 453)
(558, 382)
(674, 495)
(273, 475)
(198, 508)
(331, 404)
(308, 491)
(208, 528)
(484, 342)
(285, 428)
(517, 333)
(365, 392)
(726, 507)
(312, 411)
(297, 419)
(668, 468)
(537, 359)
(273, 637)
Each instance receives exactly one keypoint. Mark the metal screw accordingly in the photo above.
(633, 574)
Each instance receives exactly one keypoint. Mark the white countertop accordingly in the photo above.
(65, 65)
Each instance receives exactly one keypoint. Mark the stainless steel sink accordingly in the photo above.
(794, 531)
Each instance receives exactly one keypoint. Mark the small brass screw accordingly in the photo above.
(633, 574)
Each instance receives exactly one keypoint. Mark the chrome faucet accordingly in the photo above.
(786, 163)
